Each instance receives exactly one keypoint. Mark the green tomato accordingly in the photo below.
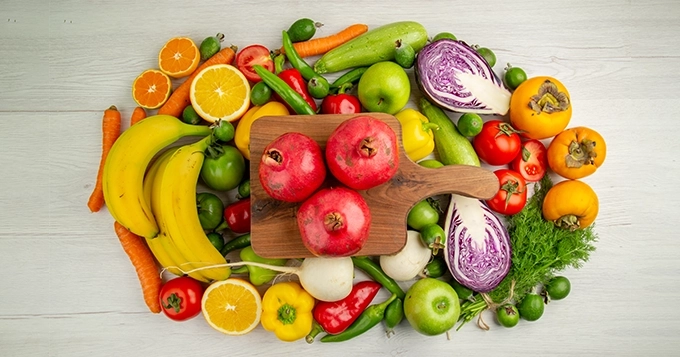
(488, 55)
(216, 240)
(442, 35)
(558, 288)
(531, 308)
(507, 315)
(190, 116)
(422, 215)
(224, 131)
(434, 237)
(260, 94)
(244, 189)
(210, 210)
(514, 76)
(224, 171)
(318, 87)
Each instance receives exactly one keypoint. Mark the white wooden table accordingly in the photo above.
(68, 289)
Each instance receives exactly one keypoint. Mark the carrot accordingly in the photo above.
(138, 114)
(110, 132)
(143, 260)
(179, 99)
(319, 46)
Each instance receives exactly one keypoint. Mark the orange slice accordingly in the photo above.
(232, 306)
(221, 92)
(151, 89)
(179, 57)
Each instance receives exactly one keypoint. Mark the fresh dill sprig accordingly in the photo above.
(539, 248)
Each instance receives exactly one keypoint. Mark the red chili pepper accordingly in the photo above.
(335, 317)
(293, 79)
(237, 216)
(341, 103)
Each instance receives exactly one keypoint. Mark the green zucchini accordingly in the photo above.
(453, 148)
(373, 46)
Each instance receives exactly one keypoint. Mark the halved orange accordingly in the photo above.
(232, 306)
(179, 57)
(221, 92)
(151, 89)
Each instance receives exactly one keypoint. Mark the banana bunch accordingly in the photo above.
(159, 204)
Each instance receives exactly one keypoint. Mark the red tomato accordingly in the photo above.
(512, 195)
(181, 298)
(252, 55)
(532, 161)
(498, 143)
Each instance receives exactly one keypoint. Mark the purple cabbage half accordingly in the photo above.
(478, 252)
(454, 76)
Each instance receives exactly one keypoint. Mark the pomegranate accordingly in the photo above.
(362, 152)
(334, 222)
(292, 167)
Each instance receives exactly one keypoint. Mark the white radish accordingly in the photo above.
(409, 261)
(326, 279)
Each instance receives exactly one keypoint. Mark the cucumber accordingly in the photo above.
(373, 46)
(453, 148)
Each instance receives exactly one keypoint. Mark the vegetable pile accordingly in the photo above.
(188, 238)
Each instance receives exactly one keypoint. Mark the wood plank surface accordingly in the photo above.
(69, 290)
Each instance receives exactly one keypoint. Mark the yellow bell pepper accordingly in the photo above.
(287, 311)
(416, 133)
(242, 134)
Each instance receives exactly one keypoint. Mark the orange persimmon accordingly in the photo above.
(576, 152)
(571, 204)
(540, 107)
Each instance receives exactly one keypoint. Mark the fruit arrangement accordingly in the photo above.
(168, 182)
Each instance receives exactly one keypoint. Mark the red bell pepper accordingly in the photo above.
(336, 316)
(237, 216)
(341, 103)
(294, 79)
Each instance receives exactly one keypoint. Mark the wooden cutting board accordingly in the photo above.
(274, 230)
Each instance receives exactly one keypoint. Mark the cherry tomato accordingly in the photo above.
(498, 143)
(512, 195)
(181, 298)
(532, 161)
(252, 55)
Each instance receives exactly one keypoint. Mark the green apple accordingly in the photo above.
(384, 87)
(431, 306)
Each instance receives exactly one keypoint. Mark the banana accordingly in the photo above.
(178, 208)
(127, 162)
(155, 244)
(162, 246)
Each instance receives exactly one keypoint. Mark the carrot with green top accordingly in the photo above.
(321, 45)
(137, 115)
(145, 265)
(111, 123)
(179, 99)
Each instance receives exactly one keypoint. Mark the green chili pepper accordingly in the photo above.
(374, 271)
(288, 94)
(393, 315)
(257, 275)
(239, 242)
(369, 318)
(349, 77)
(297, 62)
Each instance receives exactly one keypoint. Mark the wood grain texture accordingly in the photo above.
(274, 227)
(69, 290)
